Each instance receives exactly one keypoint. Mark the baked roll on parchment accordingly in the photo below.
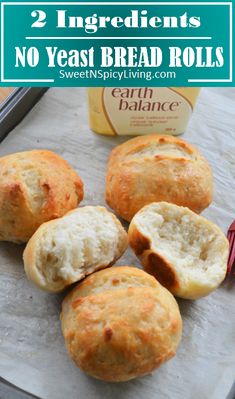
(35, 186)
(157, 168)
(67, 249)
(120, 323)
(185, 252)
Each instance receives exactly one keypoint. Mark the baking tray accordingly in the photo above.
(10, 391)
(32, 352)
(16, 105)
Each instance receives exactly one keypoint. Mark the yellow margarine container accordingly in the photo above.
(141, 110)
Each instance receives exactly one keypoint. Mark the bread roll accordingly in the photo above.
(35, 186)
(65, 250)
(120, 323)
(184, 251)
(157, 168)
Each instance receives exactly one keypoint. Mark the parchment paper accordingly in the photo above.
(32, 351)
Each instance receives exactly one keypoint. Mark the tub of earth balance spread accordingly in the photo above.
(141, 110)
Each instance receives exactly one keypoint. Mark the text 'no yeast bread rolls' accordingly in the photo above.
(184, 251)
(120, 323)
(35, 186)
(157, 168)
(65, 250)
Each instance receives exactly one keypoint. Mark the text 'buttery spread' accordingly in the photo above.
(141, 110)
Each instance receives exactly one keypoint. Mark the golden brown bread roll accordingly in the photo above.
(35, 186)
(120, 323)
(185, 252)
(157, 168)
(65, 250)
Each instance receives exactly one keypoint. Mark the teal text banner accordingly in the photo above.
(116, 43)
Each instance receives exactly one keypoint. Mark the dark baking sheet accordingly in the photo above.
(16, 105)
(10, 391)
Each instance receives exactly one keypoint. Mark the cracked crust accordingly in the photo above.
(156, 168)
(35, 186)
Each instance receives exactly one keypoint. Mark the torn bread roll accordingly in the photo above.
(120, 323)
(184, 251)
(157, 168)
(35, 186)
(65, 250)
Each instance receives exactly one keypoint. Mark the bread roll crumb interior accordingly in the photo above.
(186, 252)
(65, 250)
